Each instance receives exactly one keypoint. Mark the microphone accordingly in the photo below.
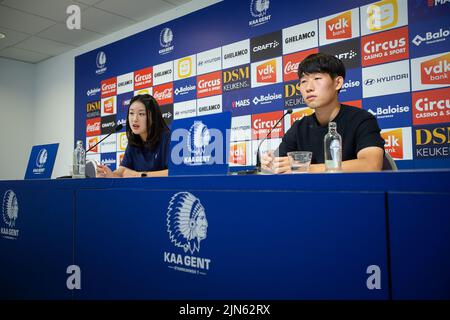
(117, 128)
(258, 158)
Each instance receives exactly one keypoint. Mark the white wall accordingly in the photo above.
(52, 109)
(17, 111)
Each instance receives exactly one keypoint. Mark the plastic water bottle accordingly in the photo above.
(79, 161)
(332, 149)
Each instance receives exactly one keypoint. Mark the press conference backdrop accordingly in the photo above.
(242, 56)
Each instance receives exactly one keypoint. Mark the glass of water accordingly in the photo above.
(300, 161)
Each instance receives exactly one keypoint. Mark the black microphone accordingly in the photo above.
(117, 128)
(258, 158)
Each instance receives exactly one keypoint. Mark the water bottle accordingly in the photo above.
(79, 161)
(332, 149)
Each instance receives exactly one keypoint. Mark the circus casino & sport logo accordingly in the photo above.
(258, 10)
(10, 213)
(165, 40)
(187, 226)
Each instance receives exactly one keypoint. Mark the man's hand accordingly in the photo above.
(281, 165)
(266, 161)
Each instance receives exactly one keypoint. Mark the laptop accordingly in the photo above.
(200, 145)
(41, 161)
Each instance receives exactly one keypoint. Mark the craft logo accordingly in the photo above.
(432, 106)
(163, 93)
(93, 109)
(167, 113)
(187, 226)
(382, 15)
(10, 211)
(300, 113)
(185, 67)
(109, 124)
(238, 153)
(258, 10)
(266, 46)
(209, 84)
(165, 40)
(109, 87)
(385, 47)
(143, 78)
(236, 78)
(90, 143)
(436, 70)
(93, 127)
(100, 61)
(198, 139)
(262, 123)
(349, 52)
(339, 27)
(432, 141)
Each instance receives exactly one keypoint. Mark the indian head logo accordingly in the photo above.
(10, 208)
(198, 138)
(186, 221)
(166, 37)
(258, 8)
(41, 158)
(100, 61)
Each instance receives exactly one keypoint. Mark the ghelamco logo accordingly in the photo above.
(258, 10)
(41, 159)
(431, 37)
(199, 138)
(187, 227)
(10, 211)
(100, 61)
(165, 40)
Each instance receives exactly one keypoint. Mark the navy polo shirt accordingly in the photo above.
(144, 159)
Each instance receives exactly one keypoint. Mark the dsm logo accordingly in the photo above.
(186, 221)
(198, 138)
(41, 158)
(10, 208)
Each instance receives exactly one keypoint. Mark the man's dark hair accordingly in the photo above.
(321, 63)
(155, 123)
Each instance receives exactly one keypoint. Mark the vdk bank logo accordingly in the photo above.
(187, 227)
(10, 211)
(258, 10)
(165, 40)
(100, 61)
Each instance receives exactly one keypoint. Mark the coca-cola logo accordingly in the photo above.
(291, 67)
(93, 127)
(161, 95)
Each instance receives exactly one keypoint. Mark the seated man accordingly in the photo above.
(321, 78)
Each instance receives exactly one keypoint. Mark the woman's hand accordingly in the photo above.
(128, 173)
(104, 172)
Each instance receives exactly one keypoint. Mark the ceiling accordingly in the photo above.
(36, 29)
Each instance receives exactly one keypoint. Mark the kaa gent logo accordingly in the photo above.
(186, 221)
(100, 61)
(165, 40)
(10, 210)
(258, 9)
(41, 158)
(198, 138)
(187, 226)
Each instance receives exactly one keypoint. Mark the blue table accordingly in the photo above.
(317, 236)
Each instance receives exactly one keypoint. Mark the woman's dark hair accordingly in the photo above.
(155, 123)
(321, 63)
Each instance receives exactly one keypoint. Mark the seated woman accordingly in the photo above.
(147, 153)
